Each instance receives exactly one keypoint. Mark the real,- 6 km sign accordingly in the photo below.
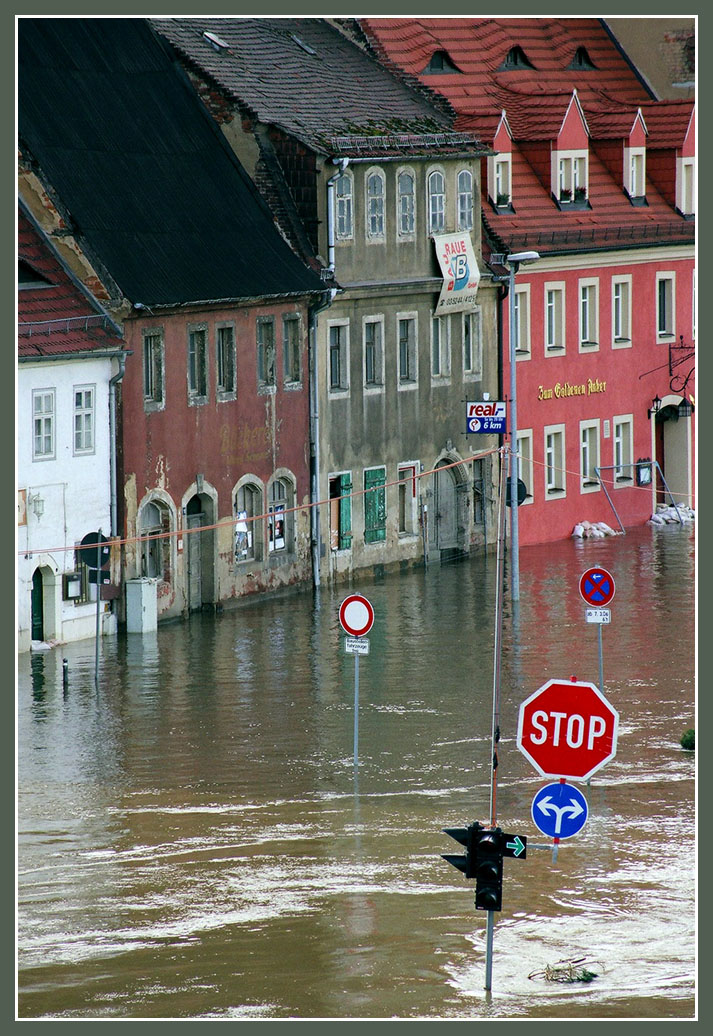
(567, 729)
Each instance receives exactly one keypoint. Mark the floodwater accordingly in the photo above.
(195, 842)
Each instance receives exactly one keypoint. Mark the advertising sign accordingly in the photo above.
(461, 275)
(485, 415)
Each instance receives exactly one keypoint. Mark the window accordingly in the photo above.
(472, 346)
(665, 316)
(225, 361)
(465, 200)
(555, 474)
(572, 178)
(406, 216)
(408, 354)
(339, 357)
(554, 316)
(588, 455)
(375, 206)
(43, 416)
(440, 347)
(340, 511)
(247, 510)
(280, 517)
(623, 451)
(374, 505)
(621, 312)
(83, 419)
(502, 180)
(686, 186)
(440, 64)
(345, 218)
(154, 523)
(291, 349)
(636, 164)
(197, 365)
(408, 522)
(436, 202)
(522, 322)
(478, 492)
(588, 315)
(153, 369)
(524, 462)
(373, 353)
(266, 352)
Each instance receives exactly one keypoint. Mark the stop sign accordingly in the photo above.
(567, 729)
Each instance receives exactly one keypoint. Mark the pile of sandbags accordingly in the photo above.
(669, 515)
(593, 531)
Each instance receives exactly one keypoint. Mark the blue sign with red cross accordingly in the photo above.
(597, 587)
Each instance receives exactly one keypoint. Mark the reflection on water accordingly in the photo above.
(194, 842)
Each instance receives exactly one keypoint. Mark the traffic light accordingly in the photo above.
(466, 836)
(488, 853)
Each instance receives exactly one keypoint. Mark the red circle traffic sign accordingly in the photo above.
(567, 729)
(597, 587)
(356, 615)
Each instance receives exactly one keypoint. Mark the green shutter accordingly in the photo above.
(375, 505)
(345, 513)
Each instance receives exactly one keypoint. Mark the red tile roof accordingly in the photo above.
(54, 316)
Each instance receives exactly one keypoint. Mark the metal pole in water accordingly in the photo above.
(96, 632)
(601, 660)
(489, 951)
(356, 709)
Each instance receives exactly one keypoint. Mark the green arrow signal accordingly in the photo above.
(518, 846)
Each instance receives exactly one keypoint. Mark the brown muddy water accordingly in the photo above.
(194, 842)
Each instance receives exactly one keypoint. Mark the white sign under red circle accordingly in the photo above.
(356, 615)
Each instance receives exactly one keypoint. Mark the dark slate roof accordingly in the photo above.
(306, 77)
(54, 317)
(148, 179)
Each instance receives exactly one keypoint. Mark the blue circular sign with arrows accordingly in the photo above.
(559, 810)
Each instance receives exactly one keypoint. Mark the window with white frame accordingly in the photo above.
(291, 349)
(472, 346)
(375, 206)
(247, 511)
(43, 424)
(344, 192)
(588, 455)
(665, 305)
(408, 498)
(521, 322)
(265, 333)
(440, 347)
(153, 368)
(635, 164)
(623, 451)
(465, 200)
(225, 361)
(572, 177)
(686, 186)
(280, 516)
(554, 316)
(436, 202)
(406, 202)
(83, 419)
(588, 315)
(502, 178)
(197, 364)
(555, 472)
(373, 332)
(524, 462)
(338, 356)
(621, 312)
(408, 351)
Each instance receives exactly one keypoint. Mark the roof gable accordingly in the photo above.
(574, 133)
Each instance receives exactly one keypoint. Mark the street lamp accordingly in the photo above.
(514, 260)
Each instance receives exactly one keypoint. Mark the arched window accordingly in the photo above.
(344, 190)
(436, 202)
(280, 517)
(155, 522)
(248, 526)
(406, 203)
(465, 200)
(375, 205)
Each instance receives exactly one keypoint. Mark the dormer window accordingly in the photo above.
(635, 172)
(515, 58)
(572, 178)
(685, 186)
(581, 60)
(500, 180)
(29, 277)
(440, 64)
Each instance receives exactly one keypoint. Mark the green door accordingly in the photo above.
(38, 626)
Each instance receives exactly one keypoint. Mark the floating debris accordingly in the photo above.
(688, 740)
(572, 970)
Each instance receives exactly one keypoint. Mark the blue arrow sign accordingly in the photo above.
(559, 810)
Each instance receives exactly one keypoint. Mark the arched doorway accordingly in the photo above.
(673, 452)
(38, 606)
(200, 546)
(446, 524)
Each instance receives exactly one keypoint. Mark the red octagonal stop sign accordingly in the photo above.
(567, 729)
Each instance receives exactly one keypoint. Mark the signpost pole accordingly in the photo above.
(356, 710)
(601, 660)
(96, 632)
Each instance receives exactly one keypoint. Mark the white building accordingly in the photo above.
(70, 359)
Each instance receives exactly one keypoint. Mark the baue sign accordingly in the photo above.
(567, 729)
